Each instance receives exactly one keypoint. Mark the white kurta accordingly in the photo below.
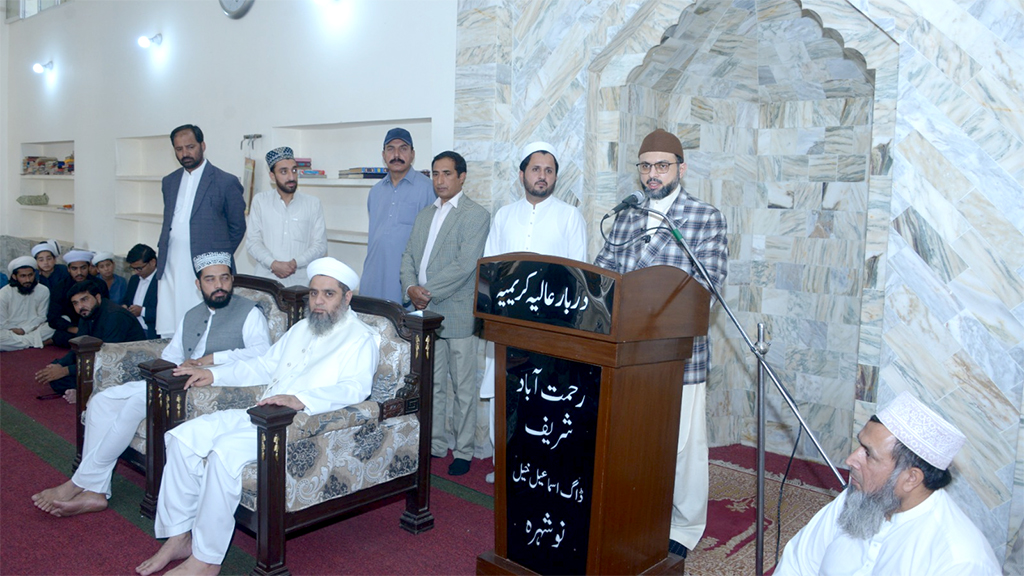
(551, 228)
(935, 538)
(140, 297)
(325, 372)
(114, 414)
(25, 311)
(277, 231)
(176, 291)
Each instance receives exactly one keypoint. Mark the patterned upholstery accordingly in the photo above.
(277, 320)
(342, 461)
(119, 363)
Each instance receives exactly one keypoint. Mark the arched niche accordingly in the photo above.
(787, 118)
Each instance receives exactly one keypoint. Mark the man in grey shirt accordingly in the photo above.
(393, 204)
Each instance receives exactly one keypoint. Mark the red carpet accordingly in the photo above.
(33, 542)
(37, 446)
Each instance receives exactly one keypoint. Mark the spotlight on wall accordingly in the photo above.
(146, 42)
(40, 68)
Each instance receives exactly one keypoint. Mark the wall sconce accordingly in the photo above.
(146, 42)
(40, 68)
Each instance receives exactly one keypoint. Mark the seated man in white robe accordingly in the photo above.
(222, 329)
(323, 363)
(895, 518)
(23, 305)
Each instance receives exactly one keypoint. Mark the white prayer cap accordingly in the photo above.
(47, 246)
(21, 262)
(921, 430)
(101, 256)
(78, 256)
(211, 259)
(338, 270)
(538, 146)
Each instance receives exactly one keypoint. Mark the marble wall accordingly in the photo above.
(869, 156)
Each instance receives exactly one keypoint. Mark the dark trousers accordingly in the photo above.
(64, 384)
(63, 338)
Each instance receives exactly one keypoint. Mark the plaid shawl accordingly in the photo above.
(702, 226)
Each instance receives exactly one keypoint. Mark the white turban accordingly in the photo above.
(21, 262)
(328, 266)
(101, 256)
(78, 256)
(48, 246)
(921, 430)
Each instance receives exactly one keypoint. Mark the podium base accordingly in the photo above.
(490, 564)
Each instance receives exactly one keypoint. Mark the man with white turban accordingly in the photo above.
(23, 306)
(323, 363)
(895, 518)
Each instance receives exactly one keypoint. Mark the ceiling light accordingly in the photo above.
(146, 42)
(40, 68)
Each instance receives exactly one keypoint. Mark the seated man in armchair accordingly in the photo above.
(222, 329)
(323, 363)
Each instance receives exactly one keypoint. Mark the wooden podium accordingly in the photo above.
(589, 372)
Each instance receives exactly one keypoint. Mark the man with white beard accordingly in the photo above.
(895, 518)
(323, 363)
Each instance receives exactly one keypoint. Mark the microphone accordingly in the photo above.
(631, 201)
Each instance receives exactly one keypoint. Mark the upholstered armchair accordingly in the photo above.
(102, 365)
(317, 469)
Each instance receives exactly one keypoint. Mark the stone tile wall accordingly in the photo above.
(881, 243)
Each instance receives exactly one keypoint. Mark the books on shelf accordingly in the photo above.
(310, 173)
(48, 166)
(304, 162)
(359, 172)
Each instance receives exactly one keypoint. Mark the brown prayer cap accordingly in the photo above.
(662, 141)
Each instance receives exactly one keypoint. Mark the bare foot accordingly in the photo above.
(194, 567)
(71, 396)
(86, 501)
(44, 500)
(175, 548)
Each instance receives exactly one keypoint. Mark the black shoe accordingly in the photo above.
(676, 548)
(458, 467)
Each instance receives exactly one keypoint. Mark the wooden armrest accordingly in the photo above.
(167, 381)
(152, 367)
(271, 416)
(84, 344)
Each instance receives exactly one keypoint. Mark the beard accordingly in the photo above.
(321, 323)
(662, 192)
(212, 302)
(864, 512)
(26, 290)
(540, 193)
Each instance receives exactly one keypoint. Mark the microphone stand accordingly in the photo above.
(764, 368)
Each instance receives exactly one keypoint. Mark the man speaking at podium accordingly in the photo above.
(639, 239)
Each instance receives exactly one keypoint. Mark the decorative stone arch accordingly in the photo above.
(808, 258)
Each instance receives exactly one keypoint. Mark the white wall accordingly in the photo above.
(286, 63)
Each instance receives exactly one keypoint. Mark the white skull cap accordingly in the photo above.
(922, 430)
(538, 146)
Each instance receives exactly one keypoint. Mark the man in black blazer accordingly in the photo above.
(204, 211)
(143, 261)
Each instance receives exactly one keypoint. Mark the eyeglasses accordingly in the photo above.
(139, 268)
(660, 167)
